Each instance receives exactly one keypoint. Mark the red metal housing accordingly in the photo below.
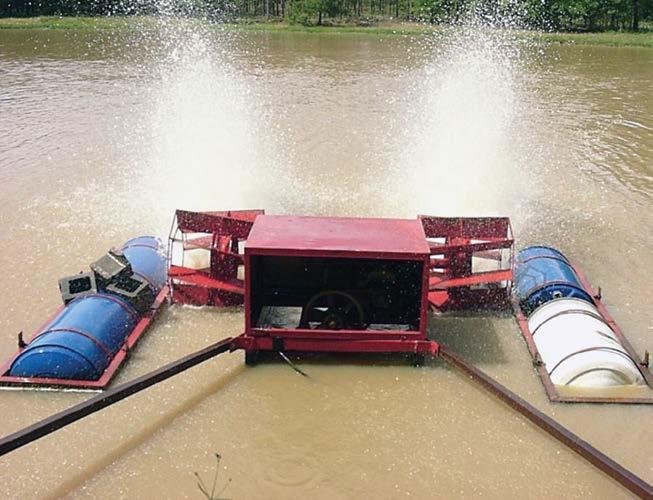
(306, 257)
(357, 285)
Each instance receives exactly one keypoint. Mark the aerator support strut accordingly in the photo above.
(96, 403)
(627, 479)
(46, 426)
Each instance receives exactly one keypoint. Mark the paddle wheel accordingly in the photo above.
(205, 256)
(312, 284)
(471, 262)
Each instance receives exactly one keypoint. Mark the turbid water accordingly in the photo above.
(103, 134)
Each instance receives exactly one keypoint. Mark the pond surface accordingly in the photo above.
(103, 135)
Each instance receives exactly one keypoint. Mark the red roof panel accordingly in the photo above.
(273, 234)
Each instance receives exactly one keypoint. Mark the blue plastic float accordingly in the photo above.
(543, 274)
(82, 339)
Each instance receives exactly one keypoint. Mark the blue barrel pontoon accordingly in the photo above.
(148, 259)
(82, 339)
(543, 274)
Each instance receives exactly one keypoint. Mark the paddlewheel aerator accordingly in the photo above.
(328, 284)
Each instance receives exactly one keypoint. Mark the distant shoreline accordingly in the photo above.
(608, 38)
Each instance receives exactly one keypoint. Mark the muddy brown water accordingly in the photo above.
(103, 134)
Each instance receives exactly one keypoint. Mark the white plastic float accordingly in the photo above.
(578, 347)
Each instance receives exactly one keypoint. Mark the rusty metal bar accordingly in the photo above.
(629, 480)
(96, 403)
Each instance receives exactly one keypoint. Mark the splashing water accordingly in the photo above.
(472, 93)
(201, 129)
(460, 156)
(197, 137)
(210, 147)
(208, 131)
(204, 140)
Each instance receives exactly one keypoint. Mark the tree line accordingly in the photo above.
(572, 15)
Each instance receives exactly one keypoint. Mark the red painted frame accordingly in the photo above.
(448, 282)
(106, 377)
(389, 247)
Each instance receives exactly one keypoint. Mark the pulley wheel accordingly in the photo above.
(333, 310)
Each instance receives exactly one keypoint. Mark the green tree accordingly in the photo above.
(312, 12)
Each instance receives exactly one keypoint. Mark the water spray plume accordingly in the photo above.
(204, 134)
(460, 155)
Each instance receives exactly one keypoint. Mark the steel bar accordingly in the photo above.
(96, 403)
(435, 283)
(629, 480)
(197, 278)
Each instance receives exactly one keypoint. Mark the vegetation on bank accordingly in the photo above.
(546, 15)
(76, 22)
(643, 38)
(611, 38)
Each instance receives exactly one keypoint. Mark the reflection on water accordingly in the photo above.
(102, 135)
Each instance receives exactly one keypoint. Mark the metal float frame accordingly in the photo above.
(551, 389)
(449, 284)
(7, 381)
(452, 276)
(453, 279)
